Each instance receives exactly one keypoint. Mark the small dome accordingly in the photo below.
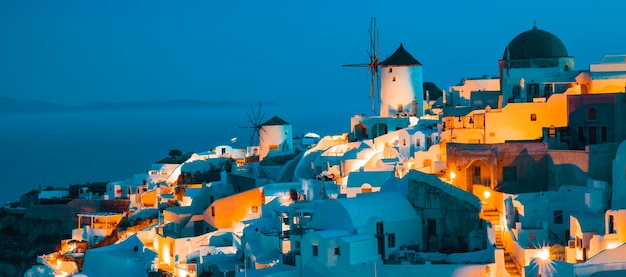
(535, 44)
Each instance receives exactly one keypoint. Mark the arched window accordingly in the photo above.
(584, 89)
(591, 114)
(532, 91)
(566, 68)
(547, 90)
(516, 92)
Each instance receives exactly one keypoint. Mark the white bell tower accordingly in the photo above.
(401, 84)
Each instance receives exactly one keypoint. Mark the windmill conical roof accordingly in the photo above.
(400, 57)
(275, 121)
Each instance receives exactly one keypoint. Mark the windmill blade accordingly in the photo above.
(374, 53)
(372, 66)
(258, 112)
(250, 119)
(356, 65)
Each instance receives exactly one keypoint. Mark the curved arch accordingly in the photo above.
(478, 172)
(366, 188)
(360, 131)
(584, 89)
(591, 113)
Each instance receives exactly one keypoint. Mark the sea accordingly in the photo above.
(61, 148)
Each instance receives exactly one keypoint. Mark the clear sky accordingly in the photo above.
(82, 51)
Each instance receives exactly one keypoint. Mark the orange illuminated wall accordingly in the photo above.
(165, 246)
(516, 121)
(148, 199)
(225, 212)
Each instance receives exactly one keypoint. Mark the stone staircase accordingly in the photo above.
(494, 217)
(288, 172)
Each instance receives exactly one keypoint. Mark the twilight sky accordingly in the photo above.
(76, 52)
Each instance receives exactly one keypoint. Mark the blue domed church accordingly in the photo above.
(534, 65)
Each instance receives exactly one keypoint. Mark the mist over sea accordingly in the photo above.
(61, 148)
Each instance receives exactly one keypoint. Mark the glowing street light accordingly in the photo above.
(544, 262)
(544, 254)
(487, 194)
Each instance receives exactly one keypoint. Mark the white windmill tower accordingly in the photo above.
(402, 85)
(276, 138)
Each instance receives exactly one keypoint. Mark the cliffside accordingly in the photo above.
(21, 241)
(26, 232)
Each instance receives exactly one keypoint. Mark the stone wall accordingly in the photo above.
(527, 161)
(454, 218)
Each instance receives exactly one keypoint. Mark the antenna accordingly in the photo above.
(255, 117)
(372, 66)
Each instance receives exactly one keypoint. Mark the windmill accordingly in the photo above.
(255, 117)
(372, 66)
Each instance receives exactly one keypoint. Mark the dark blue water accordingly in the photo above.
(62, 148)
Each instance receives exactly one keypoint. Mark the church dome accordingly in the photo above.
(535, 44)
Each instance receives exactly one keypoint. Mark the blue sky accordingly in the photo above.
(76, 52)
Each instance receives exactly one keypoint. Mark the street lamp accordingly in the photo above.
(543, 260)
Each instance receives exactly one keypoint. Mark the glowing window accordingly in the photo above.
(533, 117)
(255, 209)
(273, 147)
(552, 131)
